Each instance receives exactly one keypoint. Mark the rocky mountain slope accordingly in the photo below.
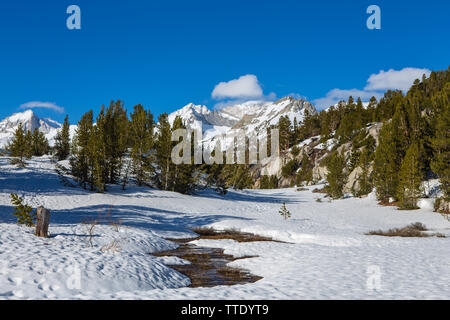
(252, 117)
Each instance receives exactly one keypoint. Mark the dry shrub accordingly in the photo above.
(113, 246)
(108, 219)
(233, 234)
(90, 227)
(323, 190)
(413, 230)
(386, 203)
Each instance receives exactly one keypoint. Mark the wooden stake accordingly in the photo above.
(43, 220)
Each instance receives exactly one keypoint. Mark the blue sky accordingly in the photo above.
(165, 54)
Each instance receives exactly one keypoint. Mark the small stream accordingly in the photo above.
(208, 266)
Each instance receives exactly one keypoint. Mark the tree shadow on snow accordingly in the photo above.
(138, 217)
(6, 215)
(17, 181)
(233, 195)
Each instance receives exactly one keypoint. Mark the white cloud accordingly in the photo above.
(44, 105)
(336, 95)
(376, 85)
(297, 96)
(395, 79)
(246, 87)
(232, 102)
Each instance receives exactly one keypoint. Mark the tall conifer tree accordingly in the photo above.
(336, 176)
(440, 162)
(141, 136)
(80, 160)
(387, 163)
(410, 178)
(20, 146)
(163, 151)
(39, 143)
(62, 141)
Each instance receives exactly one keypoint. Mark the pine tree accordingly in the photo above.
(295, 151)
(387, 162)
(124, 179)
(62, 141)
(359, 120)
(410, 178)
(183, 178)
(348, 123)
(163, 151)
(371, 110)
(365, 181)
(237, 176)
(273, 182)
(23, 212)
(336, 176)
(284, 212)
(440, 162)
(241, 178)
(98, 151)
(96, 160)
(264, 182)
(285, 132)
(98, 146)
(120, 145)
(305, 173)
(29, 144)
(289, 169)
(80, 161)
(386, 107)
(141, 136)
(295, 133)
(216, 178)
(113, 124)
(354, 157)
(39, 143)
(20, 146)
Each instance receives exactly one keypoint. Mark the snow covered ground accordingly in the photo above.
(327, 256)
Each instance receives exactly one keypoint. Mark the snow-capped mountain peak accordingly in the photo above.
(252, 117)
(30, 121)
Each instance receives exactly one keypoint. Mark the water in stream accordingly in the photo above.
(208, 266)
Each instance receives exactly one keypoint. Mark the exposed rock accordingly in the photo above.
(352, 182)
(319, 173)
(442, 206)
(374, 130)
(316, 152)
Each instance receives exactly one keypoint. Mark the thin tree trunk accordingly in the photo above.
(167, 175)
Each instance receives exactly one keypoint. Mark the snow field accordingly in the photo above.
(326, 254)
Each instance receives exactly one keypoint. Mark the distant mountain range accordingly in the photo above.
(30, 121)
(253, 117)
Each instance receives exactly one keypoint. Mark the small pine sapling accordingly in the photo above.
(23, 211)
(284, 211)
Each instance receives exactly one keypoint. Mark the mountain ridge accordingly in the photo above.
(30, 121)
(251, 117)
